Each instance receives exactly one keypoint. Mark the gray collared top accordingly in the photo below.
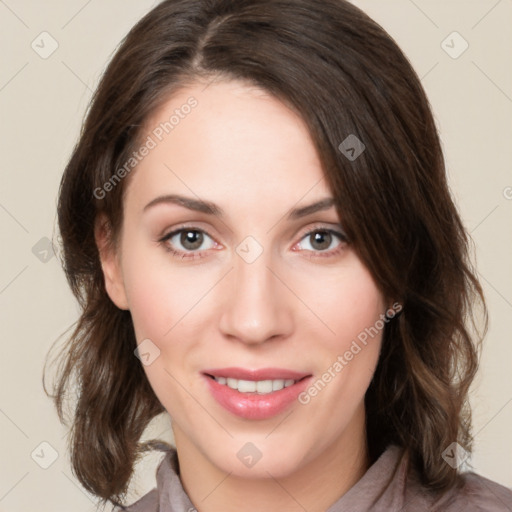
(389, 485)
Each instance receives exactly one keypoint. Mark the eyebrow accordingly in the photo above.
(200, 205)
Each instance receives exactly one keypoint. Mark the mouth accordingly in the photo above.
(260, 387)
(255, 394)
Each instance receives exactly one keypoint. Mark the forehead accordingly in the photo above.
(228, 140)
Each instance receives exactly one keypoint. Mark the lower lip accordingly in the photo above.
(252, 406)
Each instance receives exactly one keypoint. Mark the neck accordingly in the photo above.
(313, 487)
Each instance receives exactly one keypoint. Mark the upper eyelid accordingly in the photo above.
(339, 233)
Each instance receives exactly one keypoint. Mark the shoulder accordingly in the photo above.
(474, 493)
(148, 503)
(168, 494)
(481, 494)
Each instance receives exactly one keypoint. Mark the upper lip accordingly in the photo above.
(256, 374)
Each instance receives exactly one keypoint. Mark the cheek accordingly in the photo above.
(360, 328)
(161, 300)
(149, 298)
(347, 302)
(158, 294)
(352, 307)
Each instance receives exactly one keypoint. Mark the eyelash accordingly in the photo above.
(194, 255)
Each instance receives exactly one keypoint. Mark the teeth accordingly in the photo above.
(262, 387)
(247, 386)
(277, 385)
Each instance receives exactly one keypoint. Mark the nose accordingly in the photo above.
(257, 306)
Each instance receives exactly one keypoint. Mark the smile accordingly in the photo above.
(255, 394)
(261, 387)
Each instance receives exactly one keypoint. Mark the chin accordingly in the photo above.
(258, 458)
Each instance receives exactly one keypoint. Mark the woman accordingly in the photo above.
(257, 225)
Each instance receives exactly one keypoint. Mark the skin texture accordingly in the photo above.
(293, 307)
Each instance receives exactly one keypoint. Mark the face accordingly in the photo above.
(251, 307)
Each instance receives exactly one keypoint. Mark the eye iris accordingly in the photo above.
(191, 239)
(322, 238)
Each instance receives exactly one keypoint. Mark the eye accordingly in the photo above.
(187, 240)
(190, 242)
(322, 240)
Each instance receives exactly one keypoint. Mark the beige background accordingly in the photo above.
(42, 102)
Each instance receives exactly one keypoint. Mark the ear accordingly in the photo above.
(110, 264)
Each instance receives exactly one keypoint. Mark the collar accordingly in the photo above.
(381, 487)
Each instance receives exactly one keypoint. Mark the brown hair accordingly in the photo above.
(344, 75)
